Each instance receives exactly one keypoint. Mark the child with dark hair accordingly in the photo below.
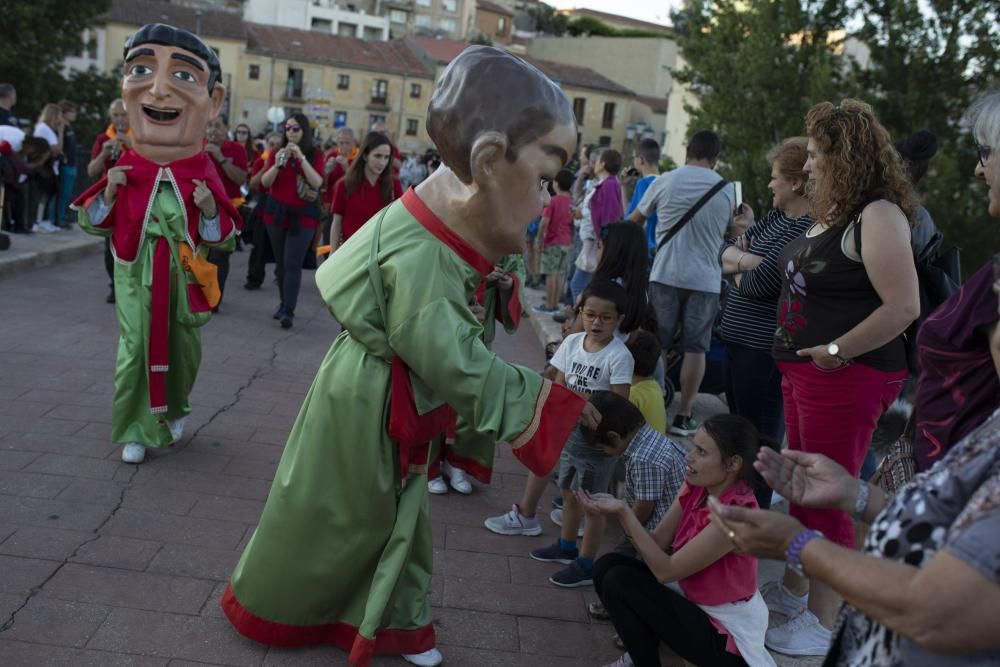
(647, 161)
(594, 360)
(709, 611)
(555, 239)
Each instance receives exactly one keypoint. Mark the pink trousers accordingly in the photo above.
(834, 412)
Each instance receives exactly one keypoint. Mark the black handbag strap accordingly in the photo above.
(672, 232)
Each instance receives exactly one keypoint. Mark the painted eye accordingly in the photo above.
(187, 77)
(139, 70)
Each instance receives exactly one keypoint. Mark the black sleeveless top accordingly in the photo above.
(825, 294)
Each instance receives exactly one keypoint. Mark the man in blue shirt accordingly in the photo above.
(647, 161)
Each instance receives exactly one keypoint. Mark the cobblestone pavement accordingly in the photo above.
(106, 564)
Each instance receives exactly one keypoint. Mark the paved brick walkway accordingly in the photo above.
(106, 564)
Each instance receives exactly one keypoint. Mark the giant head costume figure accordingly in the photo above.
(171, 91)
(504, 130)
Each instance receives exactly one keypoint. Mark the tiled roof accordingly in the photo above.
(392, 57)
(211, 23)
(488, 6)
(443, 51)
(657, 104)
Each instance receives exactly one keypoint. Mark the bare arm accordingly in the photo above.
(269, 175)
(888, 261)
(234, 173)
(643, 509)
(335, 227)
(947, 606)
(636, 216)
(737, 261)
(621, 389)
(96, 166)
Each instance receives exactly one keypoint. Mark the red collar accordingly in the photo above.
(418, 209)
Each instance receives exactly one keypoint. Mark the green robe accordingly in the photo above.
(342, 553)
(131, 417)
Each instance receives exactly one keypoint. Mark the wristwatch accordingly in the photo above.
(834, 351)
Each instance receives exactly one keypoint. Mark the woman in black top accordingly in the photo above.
(847, 296)
(753, 383)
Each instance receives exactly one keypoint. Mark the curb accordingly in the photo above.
(46, 255)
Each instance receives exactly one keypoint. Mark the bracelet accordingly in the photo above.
(861, 503)
(793, 554)
(739, 262)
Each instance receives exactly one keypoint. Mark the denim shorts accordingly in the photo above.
(584, 467)
(691, 311)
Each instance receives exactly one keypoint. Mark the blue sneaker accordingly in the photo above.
(572, 576)
(554, 554)
(557, 502)
(541, 308)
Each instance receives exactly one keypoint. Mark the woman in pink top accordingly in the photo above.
(691, 590)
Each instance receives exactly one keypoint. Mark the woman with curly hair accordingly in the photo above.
(848, 293)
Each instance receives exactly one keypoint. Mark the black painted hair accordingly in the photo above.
(168, 35)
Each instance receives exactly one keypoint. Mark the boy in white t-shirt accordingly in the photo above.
(594, 360)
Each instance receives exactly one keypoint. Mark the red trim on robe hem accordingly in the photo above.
(342, 635)
(559, 414)
(418, 209)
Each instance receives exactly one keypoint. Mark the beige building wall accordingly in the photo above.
(642, 64)
(270, 88)
(678, 119)
(592, 129)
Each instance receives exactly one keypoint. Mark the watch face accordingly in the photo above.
(833, 349)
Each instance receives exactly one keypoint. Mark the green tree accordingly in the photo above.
(40, 34)
(929, 60)
(756, 67)
(92, 91)
(547, 21)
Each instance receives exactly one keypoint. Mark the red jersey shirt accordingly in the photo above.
(285, 186)
(361, 205)
(238, 155)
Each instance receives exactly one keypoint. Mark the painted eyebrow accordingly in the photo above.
(187, 59)
(137, 53)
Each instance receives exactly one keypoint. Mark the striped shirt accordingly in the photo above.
(654, 470)
(749, 317)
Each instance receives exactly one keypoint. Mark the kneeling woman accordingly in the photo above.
(709, 612)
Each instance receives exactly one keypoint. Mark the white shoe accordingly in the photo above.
(459, 481)
(177, 428)
(801, 635)
(133, 452)
(46, 227)
(513, 523)
(437, 486)
(428, 658)
(781, 600)
(556, 517)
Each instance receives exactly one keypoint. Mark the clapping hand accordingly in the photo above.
(761, 533)
(809, 480)
(590, 417)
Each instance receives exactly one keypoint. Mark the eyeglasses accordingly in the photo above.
(292, 128)
(591, 315)
(984, 154)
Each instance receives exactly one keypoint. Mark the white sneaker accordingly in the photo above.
(781, 600)
(437, 486)
(428, 658)
(556, 517)
(133, 452)
(45, 227)
(459, 481)
(513, 523)
(177, 428)
(801, 635)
